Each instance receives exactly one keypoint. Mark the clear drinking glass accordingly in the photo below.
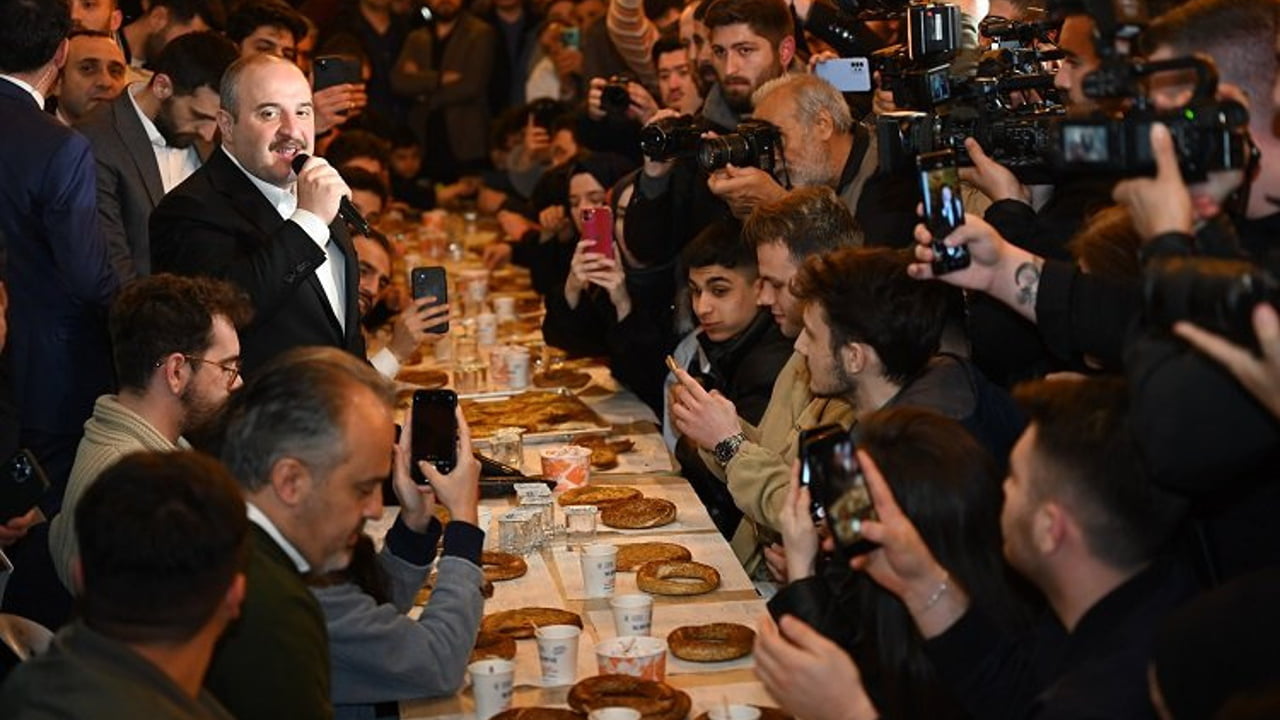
(580, 525)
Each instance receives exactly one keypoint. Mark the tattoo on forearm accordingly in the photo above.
(1027, 279)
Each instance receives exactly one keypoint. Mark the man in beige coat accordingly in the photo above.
(177, 358)
(755, 461)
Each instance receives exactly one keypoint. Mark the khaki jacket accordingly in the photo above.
(758, 474)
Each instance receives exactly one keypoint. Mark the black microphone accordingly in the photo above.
(346, 210)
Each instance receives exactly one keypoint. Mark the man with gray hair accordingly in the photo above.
(310, 439)
(821, 145)
(247, 217)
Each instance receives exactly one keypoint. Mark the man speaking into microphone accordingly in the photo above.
(263, 215)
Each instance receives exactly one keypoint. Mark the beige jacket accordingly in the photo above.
(760, 471)
(113, 432)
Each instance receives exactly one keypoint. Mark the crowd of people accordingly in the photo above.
(1069, 443)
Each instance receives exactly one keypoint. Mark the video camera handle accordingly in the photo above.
(1118, 77)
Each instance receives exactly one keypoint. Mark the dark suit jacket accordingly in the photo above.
(273, 662)
(129, 184)
(217, 223)
(470, 51)
(59, 280)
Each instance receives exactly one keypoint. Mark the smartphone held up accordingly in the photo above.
(943, 208)
(838, 490)
(597, 226)
(434, 436)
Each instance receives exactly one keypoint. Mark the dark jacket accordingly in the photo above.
(57, 273)
(274, 661)
(462, 106)
(87, 674)
(217, 223)
(1098, 670)
(129, 183)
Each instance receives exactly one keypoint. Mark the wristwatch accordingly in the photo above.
(727, 448)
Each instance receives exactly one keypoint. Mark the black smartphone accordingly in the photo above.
(435, 431)
(943, 208)
(333, 70)
(816, 448)
(431, 282)
(22, 484)
(837, 482)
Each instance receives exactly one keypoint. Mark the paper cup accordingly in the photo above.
(558, 654)
(733, 712)
(568, 465)
(632, 614)
(491, 682)
(642, 657)
(614, 713)
(504, 306)
(599, 569)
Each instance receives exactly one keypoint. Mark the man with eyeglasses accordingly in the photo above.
(177, 358)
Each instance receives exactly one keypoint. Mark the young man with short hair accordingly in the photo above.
(267, 26)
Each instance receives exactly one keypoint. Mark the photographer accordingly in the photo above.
(948, 486)
(1083, 523)
(751, 43)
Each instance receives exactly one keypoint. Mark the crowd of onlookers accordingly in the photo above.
(1069, 444)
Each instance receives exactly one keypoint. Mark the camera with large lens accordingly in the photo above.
(1217, 294)
(670, 138)
(614, 97)
(755, 144)
(918, 72)
(1208, 134)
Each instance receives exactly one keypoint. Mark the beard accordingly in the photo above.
(168, 129)
(200, 414)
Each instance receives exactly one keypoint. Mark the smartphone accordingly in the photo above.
(943, 208)
(22, 484)
(836, 482)
(846, 74)
(333, 70)
(435, 431)
(571, 37)
(597, 225)
(431, 282)
(816, 448)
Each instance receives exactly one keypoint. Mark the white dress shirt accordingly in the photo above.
(330, 272)
(176, 164)
(259, 518)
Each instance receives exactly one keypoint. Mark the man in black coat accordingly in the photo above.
(247, 217)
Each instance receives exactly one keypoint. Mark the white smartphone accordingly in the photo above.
(846, 74)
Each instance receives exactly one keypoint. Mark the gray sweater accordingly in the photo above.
(377, 652)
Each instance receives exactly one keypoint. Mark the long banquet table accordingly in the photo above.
(554, 577)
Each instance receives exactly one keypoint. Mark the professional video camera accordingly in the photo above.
(917, 72)
(671, 137)
(755, 143)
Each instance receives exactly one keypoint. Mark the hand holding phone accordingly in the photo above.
(333, 70)
(434, 436)
(597, 226)
(22, 484)
(943, 208)
(431, 282)
(845, 74)
(830, 468)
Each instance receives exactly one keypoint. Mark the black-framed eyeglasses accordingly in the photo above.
(231, 370)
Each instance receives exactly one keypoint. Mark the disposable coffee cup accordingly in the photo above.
(614, 713)
(558, 654)
(632, 614)
(491, 682)
(599, 569)
(504, 306)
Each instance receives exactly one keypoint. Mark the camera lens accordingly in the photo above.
(715, 153)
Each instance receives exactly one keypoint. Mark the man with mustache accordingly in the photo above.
(153, 137)
(246, 216)
(94, 75)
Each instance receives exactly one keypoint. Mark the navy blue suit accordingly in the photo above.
(59, 279)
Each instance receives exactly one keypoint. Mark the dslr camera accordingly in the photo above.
(614, 97)
(756, 143)
(1217, 294)
(670, 138)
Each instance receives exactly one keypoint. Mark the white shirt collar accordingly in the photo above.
(153, 132)
(259, 518)
(281, 198)
(39, 97)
